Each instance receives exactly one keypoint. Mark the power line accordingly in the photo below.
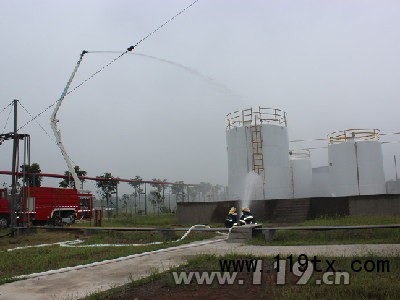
(195, 72)
(130, 48)
(44, 130)
(6, 107)
(162, 25)
(38, 115)
(8, 117)
(309, 140)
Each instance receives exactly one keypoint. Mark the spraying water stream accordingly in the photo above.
(212, 81)
(223, 88)
(253, 189)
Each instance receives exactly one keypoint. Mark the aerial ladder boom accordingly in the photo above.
(57, 132)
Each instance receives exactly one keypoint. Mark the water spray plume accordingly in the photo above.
(253, 189)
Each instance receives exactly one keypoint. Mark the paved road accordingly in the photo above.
(78, 282)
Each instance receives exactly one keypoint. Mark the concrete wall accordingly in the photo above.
(277, 210)
(292, 210)
(374, 205)
(328, 206)
(215, 212)
(203, 212)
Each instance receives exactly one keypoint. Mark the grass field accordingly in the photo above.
(38, 259)
(353, 220)
(359, 236)
(361, 285)
(136, 221)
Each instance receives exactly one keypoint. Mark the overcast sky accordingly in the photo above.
(329, 64)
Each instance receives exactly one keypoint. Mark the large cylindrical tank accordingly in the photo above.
(238, 142)
(356, 163)
(301, 171)
(370, 166)
(257, 140)
(321, 182)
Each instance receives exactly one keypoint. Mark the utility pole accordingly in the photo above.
(145, 199)
(395, 166)
(14, 170)
(116, 199)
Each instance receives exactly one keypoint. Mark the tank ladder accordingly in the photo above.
(253, 121)
(256, 139)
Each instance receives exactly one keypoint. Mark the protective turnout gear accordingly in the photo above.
(247, 217)
(231, 219)
(232, 210)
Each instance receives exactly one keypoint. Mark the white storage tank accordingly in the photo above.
(301, 171)
(321, 182)
(257, 140)
(239, 160)
(356, 163)
(370, 165)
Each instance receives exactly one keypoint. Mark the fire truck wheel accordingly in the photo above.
(72, 217)
(4, 222)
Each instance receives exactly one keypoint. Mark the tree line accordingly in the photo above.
(109, 185)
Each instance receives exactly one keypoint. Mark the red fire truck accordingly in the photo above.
(41, 205)
(4, 209)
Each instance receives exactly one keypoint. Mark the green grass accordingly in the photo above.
(41, 237)
(355, 236)
(31, 260)
(203, 262)
(352, 221)
(359, 236)
(41, 259)
(120, 237)
(128, 220)
(362, 285)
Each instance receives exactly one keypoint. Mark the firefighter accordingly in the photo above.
(231, 219)
(247, 217)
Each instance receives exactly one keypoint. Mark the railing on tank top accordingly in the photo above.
(255, 116)
(341, 136)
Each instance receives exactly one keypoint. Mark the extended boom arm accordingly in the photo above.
(54, 121)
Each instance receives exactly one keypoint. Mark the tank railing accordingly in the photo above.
(272, 115)
(299, 154)
(247, 117)
(233, 119)
(253, 117)
(354, 135)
